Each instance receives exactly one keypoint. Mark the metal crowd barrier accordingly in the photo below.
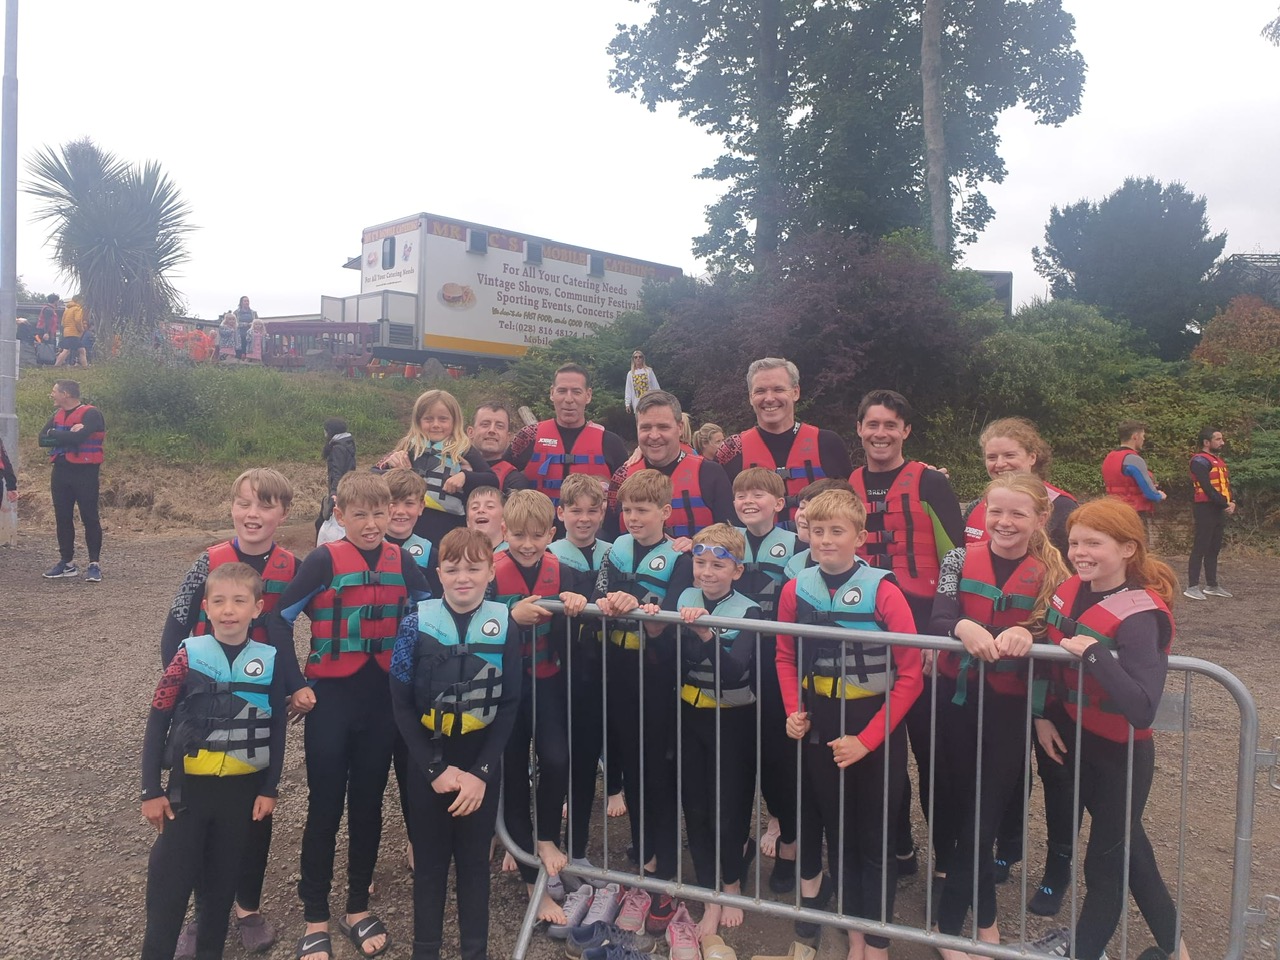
(1250, 761)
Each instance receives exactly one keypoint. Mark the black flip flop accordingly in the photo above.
(315, 943)
(364, 930)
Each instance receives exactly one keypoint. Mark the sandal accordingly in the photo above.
(364, 930)
(315, 943)
(255, 933)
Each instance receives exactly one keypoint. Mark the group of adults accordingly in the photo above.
(62, 334)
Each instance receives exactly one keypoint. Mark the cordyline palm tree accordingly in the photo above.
(117, 232)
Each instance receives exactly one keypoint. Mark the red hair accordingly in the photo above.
(1121, 522)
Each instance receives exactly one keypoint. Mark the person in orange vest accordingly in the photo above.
(1213, 503)
(74, 437)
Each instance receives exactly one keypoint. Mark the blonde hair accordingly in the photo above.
(723, 535)
(363, 489)
(686, 430)
(1024, 433)
(702, 436)
(1121, 522)
(415, 442)
(1040, 549)
(646, 486)
(581, 486)
(240, 573)
(529, 511)
(461, 544)
(758, 478)
(836, 505)
(405, 484)
(270, 486)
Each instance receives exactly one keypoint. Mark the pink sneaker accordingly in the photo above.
(635, 910)
(682, 936)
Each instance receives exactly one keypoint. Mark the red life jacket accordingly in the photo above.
(276, 575)
(509, 585)
(1101, 622)
(357, 616)
(900, 532)
(975, 527)
(997, 609)
(549, 462)
(502, 469)
(689, 512)
(1219, 478)
(1119, 484)
(803, 464)
(88, 452)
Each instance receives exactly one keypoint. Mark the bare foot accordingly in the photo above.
(508, 863)
(769, 842)
(315, 928)
(373, 944)
(989, 934)
(617, 805)
(709, 925)
(731, 916)
(548, 910)
(553, 858)
(857, 946)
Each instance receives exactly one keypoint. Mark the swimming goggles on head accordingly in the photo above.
(717, 551)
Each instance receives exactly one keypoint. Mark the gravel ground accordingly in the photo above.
(83, 662)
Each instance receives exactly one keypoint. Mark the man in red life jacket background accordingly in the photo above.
(74, 437)
(799, 452)
(1125, 473)
(701, 493)
(1213, 503)
(490, 433)
(549, 451)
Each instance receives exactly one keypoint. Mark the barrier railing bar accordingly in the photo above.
(1250, 760)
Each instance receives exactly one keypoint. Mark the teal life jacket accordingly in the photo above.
(698, 686)
(851, 668)
(457, 683)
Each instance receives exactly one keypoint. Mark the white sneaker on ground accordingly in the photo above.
(1217, 592)
(1194, 593)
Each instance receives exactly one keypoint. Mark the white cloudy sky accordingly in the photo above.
(291, 124)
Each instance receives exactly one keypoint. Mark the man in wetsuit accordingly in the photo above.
(1213, 503)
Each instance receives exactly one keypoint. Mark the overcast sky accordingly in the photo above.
(291, 125)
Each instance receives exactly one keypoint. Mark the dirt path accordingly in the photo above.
(83, 661)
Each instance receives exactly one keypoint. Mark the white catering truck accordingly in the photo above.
(464, 291)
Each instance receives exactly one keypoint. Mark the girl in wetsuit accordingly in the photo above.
(1114, 616)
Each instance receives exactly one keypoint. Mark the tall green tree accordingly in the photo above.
(1141, 254)
(820, 106)
(117, 230)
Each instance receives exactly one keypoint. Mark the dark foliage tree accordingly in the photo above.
(820, 107)
(1140, 254)
(852, 315)
(118, 232)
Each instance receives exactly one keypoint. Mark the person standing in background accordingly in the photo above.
(1125, 473)
(244, 323)
(640, 380)
(73, 328)
(1213, 503)
(74, 433)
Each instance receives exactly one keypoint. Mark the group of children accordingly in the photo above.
(430, 654)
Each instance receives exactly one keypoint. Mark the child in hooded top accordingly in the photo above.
(339, 455)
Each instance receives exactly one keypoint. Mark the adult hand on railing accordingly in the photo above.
(1014, 642)
(1053, 744)
(470, 795)
(798, 725)
(847, 750)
